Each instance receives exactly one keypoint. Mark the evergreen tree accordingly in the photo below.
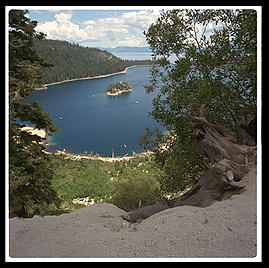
(216, 68)
(29, 173)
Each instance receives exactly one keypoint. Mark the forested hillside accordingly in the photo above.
(74, 61)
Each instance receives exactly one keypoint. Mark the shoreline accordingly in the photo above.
(87, 78)
(97, 157)
(117, 93)
(42, 134)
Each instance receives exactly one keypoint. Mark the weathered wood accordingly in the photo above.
(221, 181)
(217, 142)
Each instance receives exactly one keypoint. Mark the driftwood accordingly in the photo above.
(220, 182)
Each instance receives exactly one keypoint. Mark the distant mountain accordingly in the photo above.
(127, 49)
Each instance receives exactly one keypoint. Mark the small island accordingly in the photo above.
(118, 88)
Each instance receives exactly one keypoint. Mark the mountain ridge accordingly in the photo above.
(72, 61)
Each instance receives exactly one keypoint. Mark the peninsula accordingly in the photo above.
(118, 88)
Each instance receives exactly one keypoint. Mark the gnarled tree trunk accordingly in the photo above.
(221, 181)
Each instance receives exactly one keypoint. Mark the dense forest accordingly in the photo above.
(74, 61)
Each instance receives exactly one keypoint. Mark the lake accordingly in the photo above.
(92, 122)
(133, 56)
(140, 56)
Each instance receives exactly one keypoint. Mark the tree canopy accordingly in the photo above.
(29, 173)
(215, 63)
(118, 88)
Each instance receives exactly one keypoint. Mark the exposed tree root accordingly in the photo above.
(220, 182)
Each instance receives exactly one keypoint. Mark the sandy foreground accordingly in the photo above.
(224, 229)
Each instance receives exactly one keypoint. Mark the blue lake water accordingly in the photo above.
(92, 122)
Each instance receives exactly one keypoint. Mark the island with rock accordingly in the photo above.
(118, 88)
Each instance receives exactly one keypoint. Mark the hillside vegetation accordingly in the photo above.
(126, 184)
(74, 61)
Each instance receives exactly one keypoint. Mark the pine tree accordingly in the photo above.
(30, 188)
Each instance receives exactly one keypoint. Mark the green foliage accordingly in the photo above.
(136, 184)
(119, 86)
(181, 167)
(217, 69)
(30, 189)
(81, 178)
(74, 61)
(151, 139)
(132, 193)
(127, 184)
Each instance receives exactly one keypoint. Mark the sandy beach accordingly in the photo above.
(102, 158)
(226, 229)
(34, 131)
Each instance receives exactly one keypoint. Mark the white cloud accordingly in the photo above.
(131, 41)
(125, 29)
(104, 27)
(62, 28)
(140, 20)
(63, 17)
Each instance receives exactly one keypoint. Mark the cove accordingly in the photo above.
(92, 122)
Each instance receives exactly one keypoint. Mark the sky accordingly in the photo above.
(96, 27)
